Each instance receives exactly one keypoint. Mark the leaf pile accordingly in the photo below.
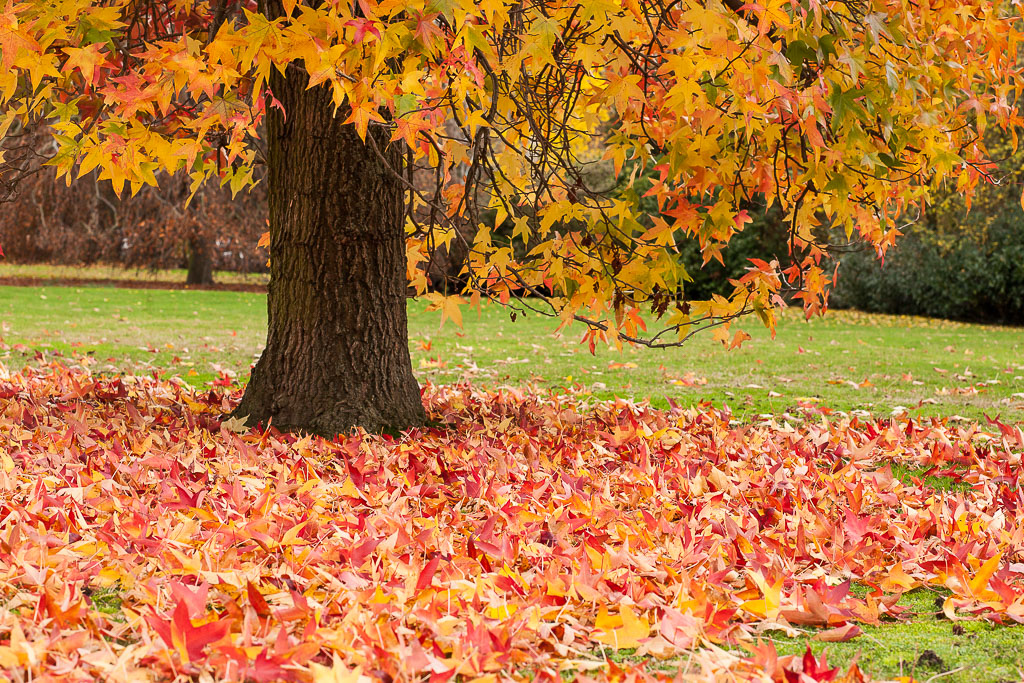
(142, 539)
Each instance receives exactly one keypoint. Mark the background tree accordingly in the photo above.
(213, 230)
(87, 223)
(842, 113)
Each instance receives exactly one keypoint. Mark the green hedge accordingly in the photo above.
(976, 275)
(953, 263)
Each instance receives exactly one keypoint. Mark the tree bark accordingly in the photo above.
(200, 261)
(337, 353)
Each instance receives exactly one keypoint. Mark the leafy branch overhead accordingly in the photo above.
(845, 114)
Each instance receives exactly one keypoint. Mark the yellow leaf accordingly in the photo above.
(10, 658)
(759, 608)
(380, 597)
(349, 490)
(476, 120)
(897, 579)
(769, 607)
(501, 611)
(291, 537)
(622, 630)
(448, 305)
(337, 672)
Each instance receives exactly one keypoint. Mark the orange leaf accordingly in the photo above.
(980, 581)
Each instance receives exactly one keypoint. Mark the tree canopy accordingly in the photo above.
(843, 113)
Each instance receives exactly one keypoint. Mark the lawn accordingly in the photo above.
(846, 361)
(843, 363)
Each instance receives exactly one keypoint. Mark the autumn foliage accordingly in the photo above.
(523, 536)
(845, 114)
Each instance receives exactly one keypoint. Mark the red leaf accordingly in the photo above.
(183, 637)
(257, 600)
(362, 27)
(427, 575)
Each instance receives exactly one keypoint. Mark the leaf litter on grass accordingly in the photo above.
(525, 537)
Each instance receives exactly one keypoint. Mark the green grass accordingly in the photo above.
(108, 600)
(847, 361)
(195, 334)
(963, 652)
(924, 646)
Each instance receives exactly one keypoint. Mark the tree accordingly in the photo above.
(845, 114)
(86, 223)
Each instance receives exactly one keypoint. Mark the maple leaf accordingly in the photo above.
(426, 28)
(448, 305)
(811, 669)
(363, 26)
(979, 584)
(85, 59)
(235, 424)
(12, 39)
(186, 639)
(622, 630)
(337, 672)
(257, 600)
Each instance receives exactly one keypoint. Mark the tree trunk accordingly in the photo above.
(200, 262)
(337, 353)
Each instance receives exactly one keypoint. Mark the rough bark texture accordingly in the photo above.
(337, 351)
(200, 262)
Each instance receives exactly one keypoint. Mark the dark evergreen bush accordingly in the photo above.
(954, 263)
